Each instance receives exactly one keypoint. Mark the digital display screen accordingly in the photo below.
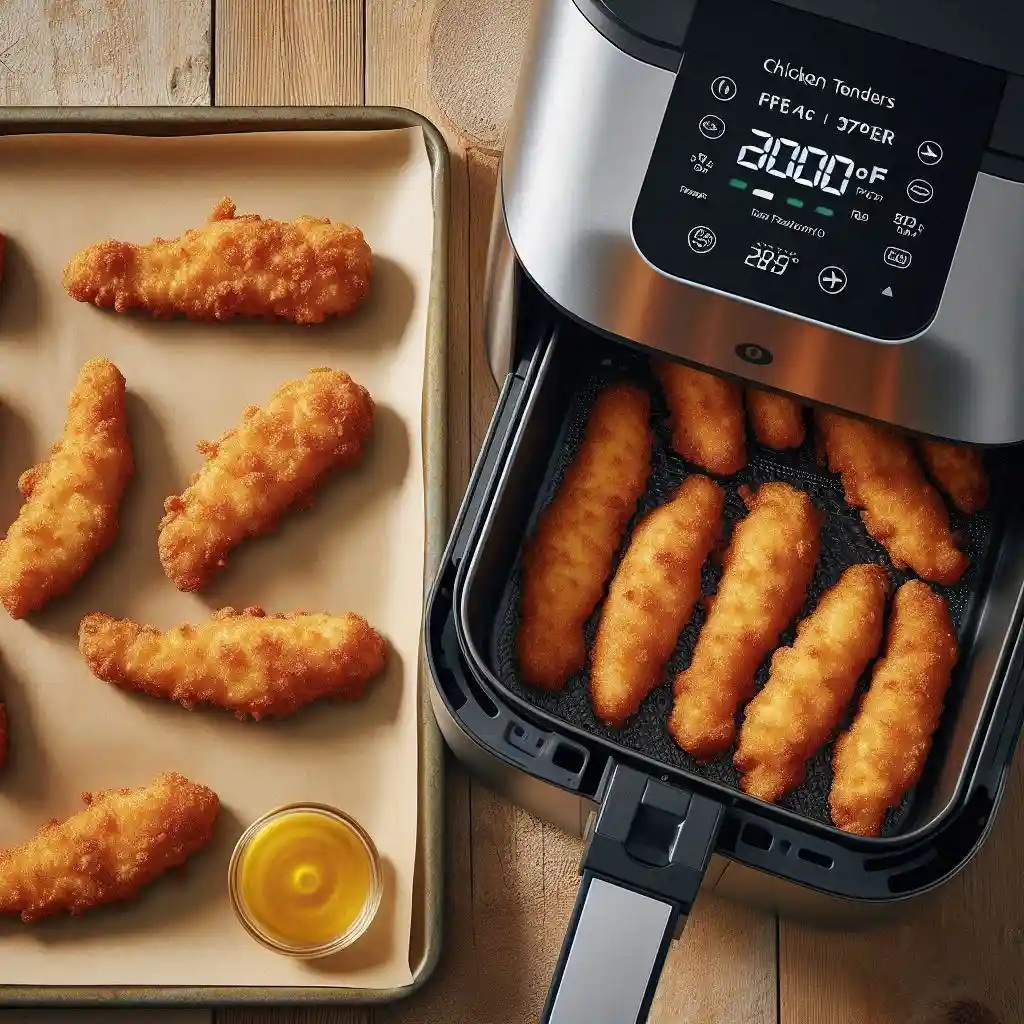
(814, 167)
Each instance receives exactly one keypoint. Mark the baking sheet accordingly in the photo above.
(360, 548)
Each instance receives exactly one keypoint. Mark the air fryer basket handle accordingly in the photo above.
(645, 859)
(612, 957)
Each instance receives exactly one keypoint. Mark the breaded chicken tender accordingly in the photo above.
(123, 840)
(706, 413)
(70, 514)
(899, 507)
(248, 662)
(959, 470)
(812, 683)
(566, 564)
(303, 271)
(777, 420)
(651, 598)
(766, 572)
(883, 754)
(262, 469)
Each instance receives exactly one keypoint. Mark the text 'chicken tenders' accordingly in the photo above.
(122, 841)
(567, 562)
(883, 753)
(899, 507)
(253, 664)
(651, 598)
(70, 514)
(811, 683)
(766, 572)
(303, 271)
(706, 412)
(262, 469)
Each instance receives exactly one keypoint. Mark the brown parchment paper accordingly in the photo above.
(360, 548)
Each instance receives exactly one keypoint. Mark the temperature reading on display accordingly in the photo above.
(805, 165)
(766, 257)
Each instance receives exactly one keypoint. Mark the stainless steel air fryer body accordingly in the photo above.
(604, 242)
(587, 120)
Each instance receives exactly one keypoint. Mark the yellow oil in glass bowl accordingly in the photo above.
(305, 880)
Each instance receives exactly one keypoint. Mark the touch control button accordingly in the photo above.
(832, 280)
(898, 258)
(920, 191)
(712, 126)
(723, 88)
(701, 239)
(929, 153)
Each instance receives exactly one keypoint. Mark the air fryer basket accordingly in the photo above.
(983, 603)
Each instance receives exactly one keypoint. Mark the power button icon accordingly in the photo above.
(756, 354)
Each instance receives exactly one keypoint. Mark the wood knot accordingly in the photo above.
(967, 1011)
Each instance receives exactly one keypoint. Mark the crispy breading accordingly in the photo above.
(651, 598)
(812, 683)
(247, 662)
(766, 573)
(567, 562)
(898, 506)
(262, 469)
(303, 271)
(777, 420)
(70, 513)
(959, 470)
(706, 412)
(123, 840)
(884, 752)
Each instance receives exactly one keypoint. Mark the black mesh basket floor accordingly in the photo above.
(844, 542)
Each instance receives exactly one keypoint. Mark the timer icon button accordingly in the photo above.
(701, 239)
(723, 88)
(832, 280)
(920, 191)
(712, 126)
(929, 153)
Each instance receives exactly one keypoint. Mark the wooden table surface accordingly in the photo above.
(511, 879)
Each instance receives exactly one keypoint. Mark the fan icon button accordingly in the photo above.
(832, 280)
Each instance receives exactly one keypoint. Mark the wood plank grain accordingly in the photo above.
(283, 52)
(124, 53)
(957, 958)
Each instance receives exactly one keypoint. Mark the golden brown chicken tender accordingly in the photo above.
(248, 662)
(262, 469)
(883, 753)
(72, 499)
(651, 598)
(766, 572)
(567, 562)
(706, 411)
(959, 471)
(303, 271)
(777, 420)
(123, 840)
(811, 683)
(899, 507)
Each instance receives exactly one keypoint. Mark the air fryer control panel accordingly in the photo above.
(815, 168)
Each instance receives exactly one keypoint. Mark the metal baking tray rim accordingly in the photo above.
(468, 569)
(173, 121)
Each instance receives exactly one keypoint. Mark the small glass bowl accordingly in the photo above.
(355, 930)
